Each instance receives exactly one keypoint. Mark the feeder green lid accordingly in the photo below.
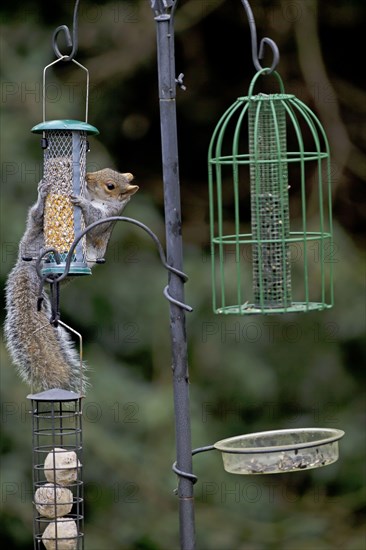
(65, 125)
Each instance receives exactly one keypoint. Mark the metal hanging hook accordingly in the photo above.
(162, 6)
(71, 43)
(256, 55)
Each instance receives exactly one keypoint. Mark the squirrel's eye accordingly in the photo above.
(110, 186)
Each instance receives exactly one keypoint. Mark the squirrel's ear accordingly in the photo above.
(128, 176)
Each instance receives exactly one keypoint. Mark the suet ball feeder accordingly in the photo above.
(57, 470)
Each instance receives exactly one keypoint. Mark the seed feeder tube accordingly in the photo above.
(65, 146)
(258, 148)
(58, 499)
(269, 203)
(280, 451)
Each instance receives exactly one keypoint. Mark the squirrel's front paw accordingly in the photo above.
(77, 200)
(44, 187)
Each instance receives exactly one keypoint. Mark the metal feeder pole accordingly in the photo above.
(174, 250)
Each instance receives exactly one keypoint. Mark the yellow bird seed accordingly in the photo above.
(59, 222)
(59, 211)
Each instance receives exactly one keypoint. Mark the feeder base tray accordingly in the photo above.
(252, 309)
(58, 269)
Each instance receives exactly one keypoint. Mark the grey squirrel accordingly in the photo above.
(45, 356)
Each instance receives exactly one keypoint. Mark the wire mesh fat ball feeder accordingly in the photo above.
(259, 143)
(58, 499)
(65, 146)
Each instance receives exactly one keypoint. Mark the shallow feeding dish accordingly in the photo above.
(280, 451)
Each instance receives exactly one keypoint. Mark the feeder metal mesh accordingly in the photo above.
(64, 168)
(269, 203)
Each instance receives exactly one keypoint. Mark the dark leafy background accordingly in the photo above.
(246, 375)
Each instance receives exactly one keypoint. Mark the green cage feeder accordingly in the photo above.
(258, 149)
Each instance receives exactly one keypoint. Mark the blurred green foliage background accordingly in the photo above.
(247, 374)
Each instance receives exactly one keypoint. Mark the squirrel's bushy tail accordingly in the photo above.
(45, 356)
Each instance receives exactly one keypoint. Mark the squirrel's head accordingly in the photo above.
(110, 185)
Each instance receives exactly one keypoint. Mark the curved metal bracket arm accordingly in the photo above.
(70, 42)
(203, 449)
(256, 55)
(187, 475)
(112, 219)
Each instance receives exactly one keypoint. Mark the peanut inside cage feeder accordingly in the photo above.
(65, 146)
(258, 147)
